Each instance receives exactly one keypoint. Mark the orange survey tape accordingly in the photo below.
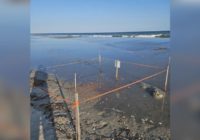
(128, 62)
(122, 87)
(139, 64)
(61, 65)
(71, 63)
(142, 65)
(75, 104)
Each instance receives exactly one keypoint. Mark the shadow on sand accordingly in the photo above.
(42, 120)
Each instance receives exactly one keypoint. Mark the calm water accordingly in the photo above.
(55, 51)
(51, 51)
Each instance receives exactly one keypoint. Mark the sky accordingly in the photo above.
(79, 16)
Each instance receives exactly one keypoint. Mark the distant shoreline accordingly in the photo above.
(142, 34)
(166, 31)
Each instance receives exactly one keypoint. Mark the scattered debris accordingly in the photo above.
(153, 91)
(105, 124)
(160, 123)
(101, 125)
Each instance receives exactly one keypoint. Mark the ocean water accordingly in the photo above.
(139, 57)
(52, 51)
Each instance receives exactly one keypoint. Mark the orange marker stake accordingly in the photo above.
(78, 129)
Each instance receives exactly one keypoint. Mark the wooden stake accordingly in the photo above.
(75, 83)
(99, 59)
(100, 70)
(116, 73)
(166, 83)
(117, 65)
(78, 130)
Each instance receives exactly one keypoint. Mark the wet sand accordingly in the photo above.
(132, 109)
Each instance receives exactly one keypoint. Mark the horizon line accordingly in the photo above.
(98, 32)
